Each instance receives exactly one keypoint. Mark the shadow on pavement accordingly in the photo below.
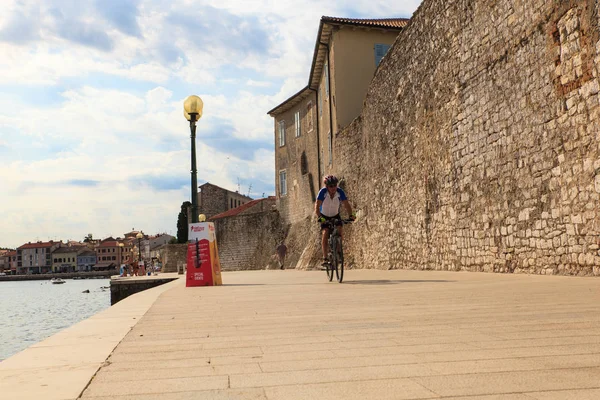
(392, 282)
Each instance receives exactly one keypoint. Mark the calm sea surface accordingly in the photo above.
(31, 311)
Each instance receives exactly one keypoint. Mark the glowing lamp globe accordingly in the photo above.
(193, 105)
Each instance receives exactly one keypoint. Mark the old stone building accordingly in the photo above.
(213, 200)
(347, 53)
(479, 142)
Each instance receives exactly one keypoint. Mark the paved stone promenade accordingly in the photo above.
(380, 335)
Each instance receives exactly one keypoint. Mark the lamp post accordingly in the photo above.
(121, 247)
(139, 237)
(192, 110)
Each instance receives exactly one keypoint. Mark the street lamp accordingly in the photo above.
(139, 237)
(192, 110)
(121, 247)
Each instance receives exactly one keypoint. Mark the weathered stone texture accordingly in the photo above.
(213, 200)
(299, 159)
(172, 256)
(248, 241)
(477, 148)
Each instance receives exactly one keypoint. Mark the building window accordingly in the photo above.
(309, 117)
(380, 51)
(326, 80)
(320, 102)
(297, 123)
(330, 142)
(282, 183)
(281, 133)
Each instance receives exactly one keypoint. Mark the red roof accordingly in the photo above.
(378, 23)
(38, 245)
(238, 210)
(11, 253)
(109, 243)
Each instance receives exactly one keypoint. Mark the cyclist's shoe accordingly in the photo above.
(352, 217)
(321, 220)
(324, 264)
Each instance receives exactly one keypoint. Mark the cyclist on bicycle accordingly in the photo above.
(327, 208)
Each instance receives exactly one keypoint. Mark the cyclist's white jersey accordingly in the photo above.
(331, 207)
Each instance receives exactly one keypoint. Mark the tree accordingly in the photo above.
(88, 238)
(182, 223)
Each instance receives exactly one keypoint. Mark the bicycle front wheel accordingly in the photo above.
(332, 260)
(329, 269)
(339, 267)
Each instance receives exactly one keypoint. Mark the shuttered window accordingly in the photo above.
(281, 133)
(297, 123)
(282, 183)
(380, 51)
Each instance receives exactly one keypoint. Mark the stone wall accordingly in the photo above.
(172, 255)
(248, 242)
(477, 148)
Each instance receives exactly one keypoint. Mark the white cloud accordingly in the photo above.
(92, 136)
(252, 82)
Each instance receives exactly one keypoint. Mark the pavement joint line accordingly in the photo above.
(432, 375)
(253, 358)
(350, 347)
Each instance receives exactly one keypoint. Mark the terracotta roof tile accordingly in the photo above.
(38, 245)
(109, 243)
(379, 23)
(238, 210)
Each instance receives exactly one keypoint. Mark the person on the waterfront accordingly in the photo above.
(281, 253)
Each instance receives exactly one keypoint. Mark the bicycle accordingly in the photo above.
(336, 251)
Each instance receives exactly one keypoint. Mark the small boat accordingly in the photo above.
(56, 281)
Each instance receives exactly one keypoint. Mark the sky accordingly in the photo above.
(92, 133)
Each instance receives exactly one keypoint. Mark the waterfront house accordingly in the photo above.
(12, 261)
(111, 253)
(64, 259)
(36, 258)
(4, 266)
(86, 260)
(346, 56)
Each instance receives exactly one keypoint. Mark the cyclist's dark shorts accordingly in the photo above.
(325, 225)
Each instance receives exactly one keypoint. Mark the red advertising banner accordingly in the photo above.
(203, 266)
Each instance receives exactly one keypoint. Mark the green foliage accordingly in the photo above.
(182, 223)
(173, 241)
(88, 238)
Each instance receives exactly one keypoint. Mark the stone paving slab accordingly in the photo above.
(380, 335)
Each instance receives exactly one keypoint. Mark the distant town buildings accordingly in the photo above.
(72, 256)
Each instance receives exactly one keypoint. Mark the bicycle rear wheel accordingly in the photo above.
(339, 267)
